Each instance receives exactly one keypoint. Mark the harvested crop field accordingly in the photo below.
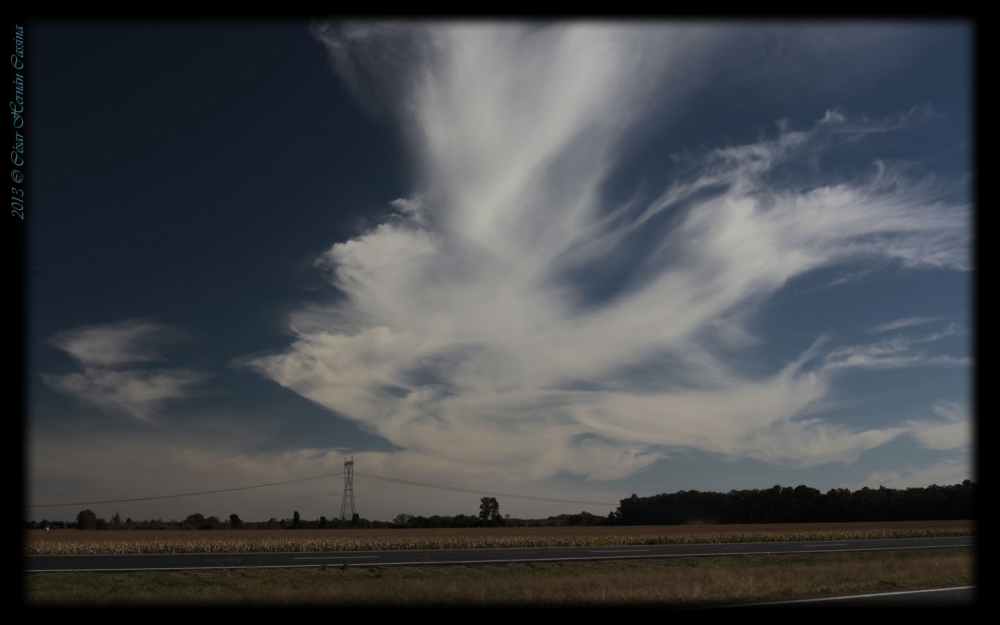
(40, 542)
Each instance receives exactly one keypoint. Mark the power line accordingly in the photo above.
(480, 492)
(319, 477)
(204, 492)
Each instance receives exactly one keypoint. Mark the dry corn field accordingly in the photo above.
(39, 542)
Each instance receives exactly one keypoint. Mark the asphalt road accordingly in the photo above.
(190, 561)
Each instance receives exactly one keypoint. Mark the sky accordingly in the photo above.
(564, 261)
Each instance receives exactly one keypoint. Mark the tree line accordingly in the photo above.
(801, 504)
(489, 516)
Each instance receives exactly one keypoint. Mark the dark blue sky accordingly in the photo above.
(192, 174)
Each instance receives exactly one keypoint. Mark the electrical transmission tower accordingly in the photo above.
(347, 510)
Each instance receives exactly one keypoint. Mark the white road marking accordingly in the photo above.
(621, 551)
(877, 594)
(336, 558)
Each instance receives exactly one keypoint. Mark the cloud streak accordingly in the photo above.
(116, 344)
(952, 431)
(103, 350)
(895, 353)
(899, 324)
(466, 337)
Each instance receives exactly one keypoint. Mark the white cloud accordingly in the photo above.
(116, 344)
(894, 353)
(849, 277)
(955, 432)
(947, 472)
(952, 411)
(462, 302)
(904, 323)
(102, 350)
(412, 208)
(137, 393)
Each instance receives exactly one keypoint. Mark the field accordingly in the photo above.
(40, 542)
(673, 581)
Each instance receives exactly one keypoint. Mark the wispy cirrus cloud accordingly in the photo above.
(467, 336)
(136, 393)
(893, 353)
(116, 344)
(952, 431)
(908, 322)
(102, 351)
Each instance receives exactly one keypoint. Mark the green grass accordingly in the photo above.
(611, 582)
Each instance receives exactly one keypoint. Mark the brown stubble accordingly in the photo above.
(40, 542)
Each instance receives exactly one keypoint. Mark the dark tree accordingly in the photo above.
(235, 521)
(194, 520)
(86, 520)
(489, 511)
(296, 520)
(322, 522)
